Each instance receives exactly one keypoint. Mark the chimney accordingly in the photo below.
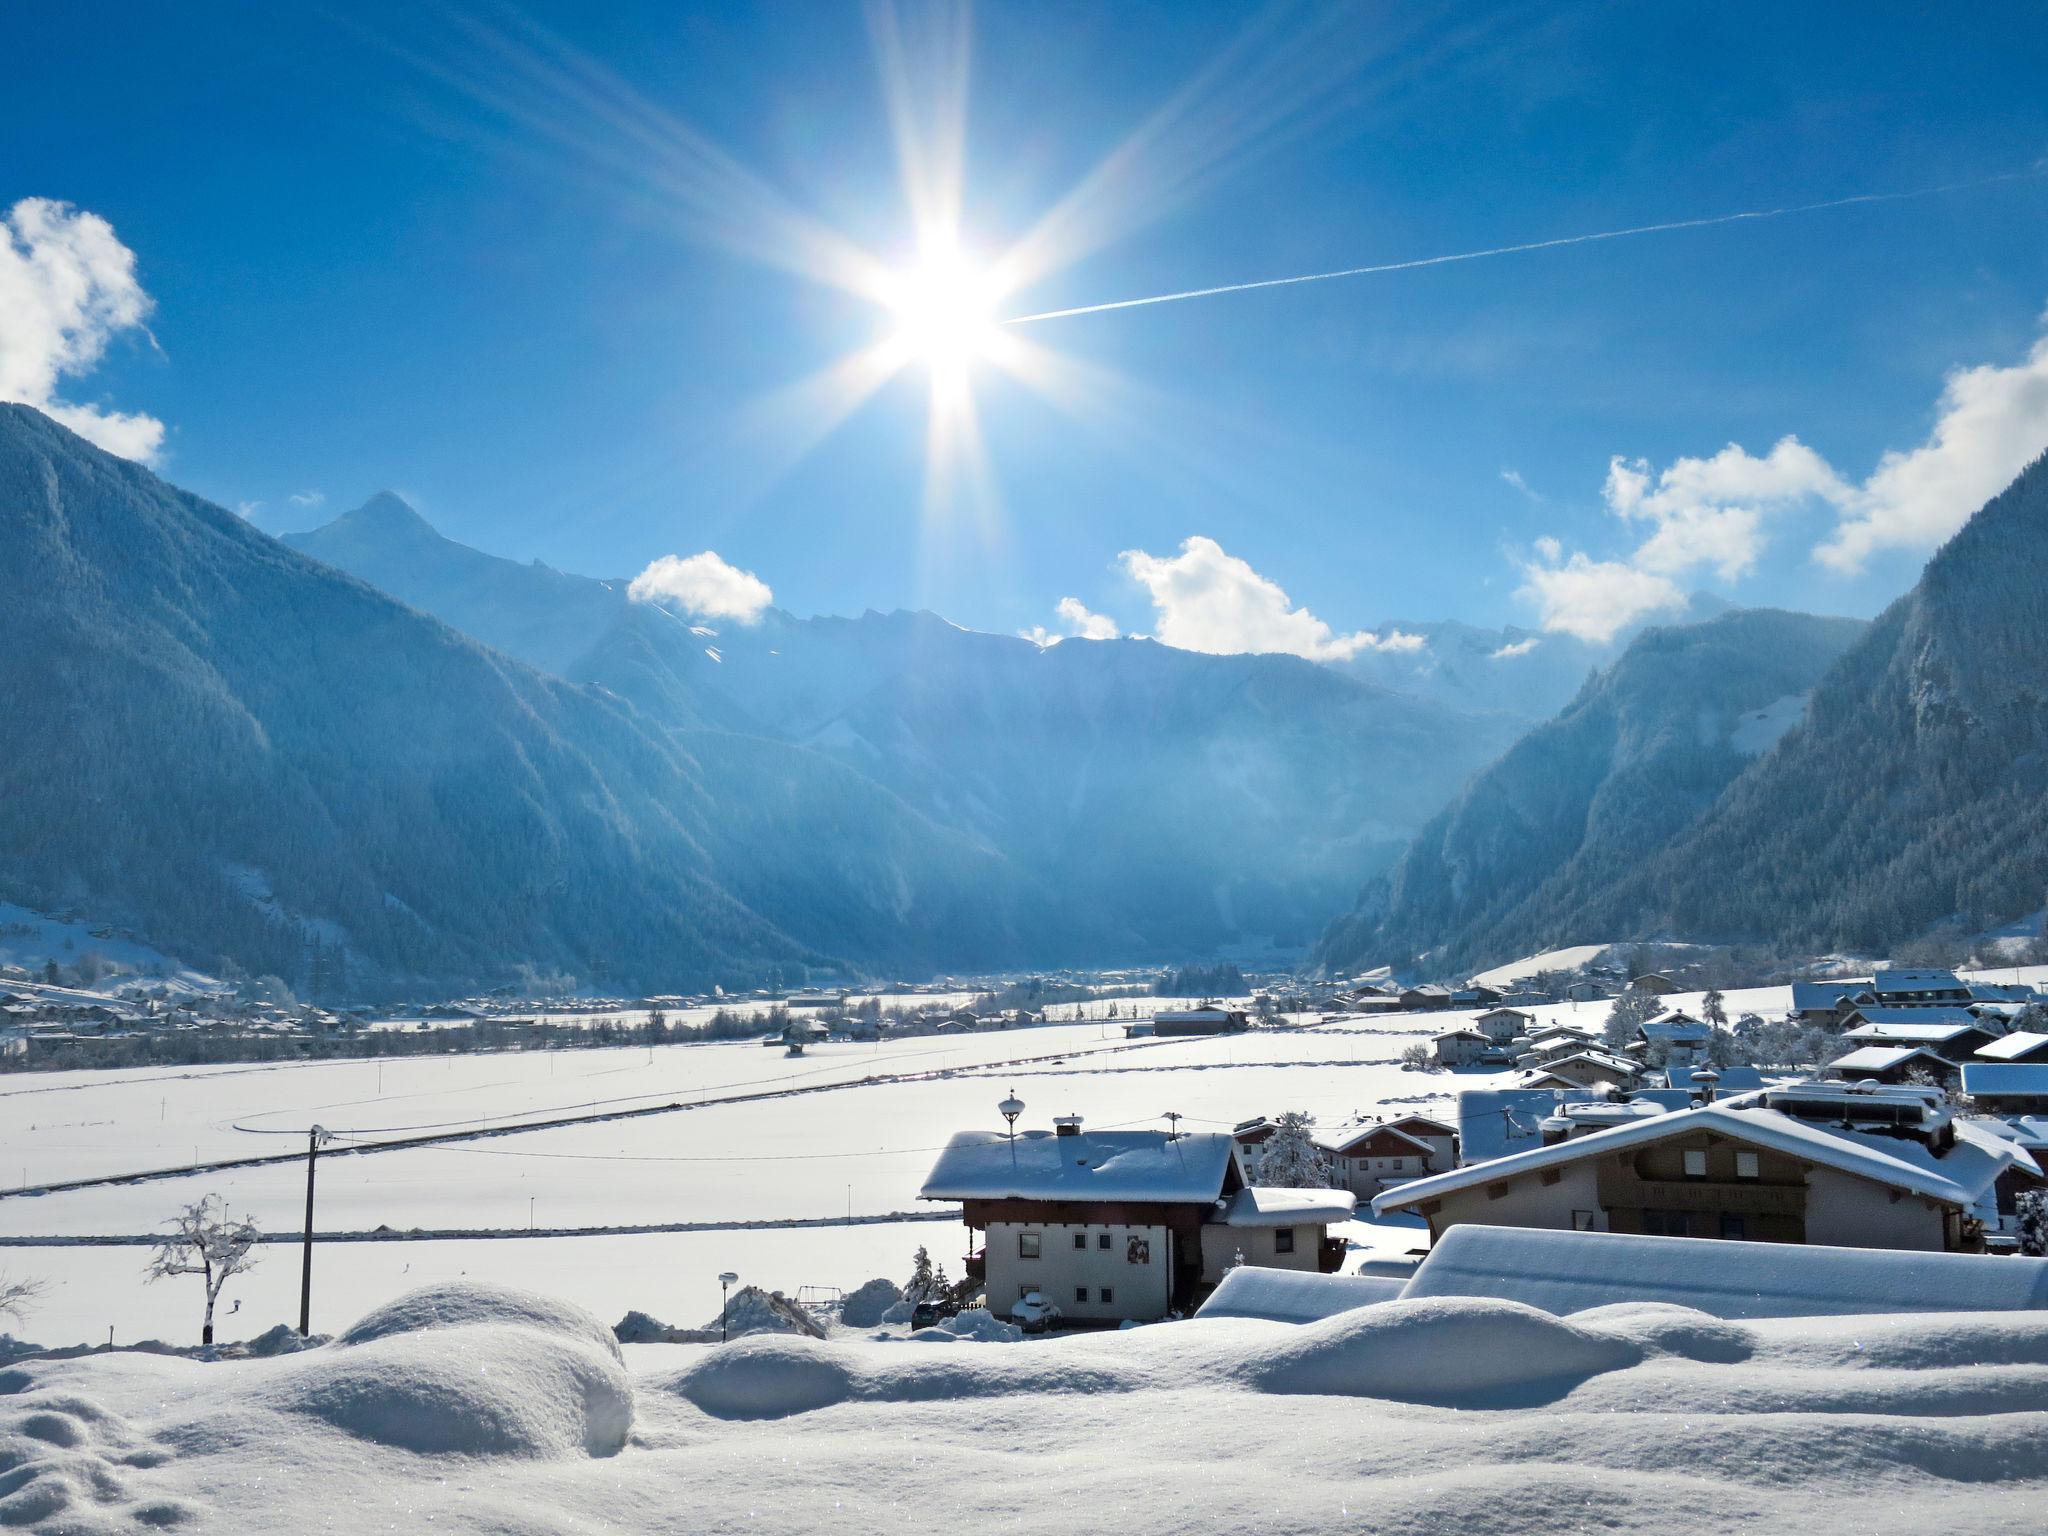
(1706, 1079)
(1066, 1125)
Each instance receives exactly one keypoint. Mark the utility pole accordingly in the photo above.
(314, 1138)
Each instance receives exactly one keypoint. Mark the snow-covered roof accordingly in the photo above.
(1565, 1272)
(1881, 1058)
(1264, 1206)
(1815, 996)
(1884, 1160)
(2020, 1042)
(1933, 1027)
(1909, 981)
(2006, 1077)
(1441, 1126)
(1143, 1166)
(1294, 1295)
(1727, 1079)
(1351, 1137)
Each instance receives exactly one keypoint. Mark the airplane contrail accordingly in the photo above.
(1529, 245)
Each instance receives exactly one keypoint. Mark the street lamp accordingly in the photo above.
(726, 1282)
(1011, 1108)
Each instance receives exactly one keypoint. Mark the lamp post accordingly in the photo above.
(315, 1138)
(1011, 1108)
(726, 1282)
(1173, 1119)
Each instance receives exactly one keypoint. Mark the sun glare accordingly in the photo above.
(944, 308)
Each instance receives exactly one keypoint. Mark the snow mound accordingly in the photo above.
(461, 1303)
(978, 1324)
(753, 1310)
(475, 1370)
(1914, 1341)
(865, 1306)
(67, 1464)
(767, 1377)
(1462, 1352)
(1664, 1329)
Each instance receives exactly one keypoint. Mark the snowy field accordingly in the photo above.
(846, 1131)
(508, 1413)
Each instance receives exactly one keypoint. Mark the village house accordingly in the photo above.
(1848, 1165)
(1427, 998)
(2008, 1087)
(1950, 1033)
(1369, 1158)
(1505, 1025)
(1586, 1068)
(1208, 1019)
(1654, 984)
(2020, 1045)
(1889, 1064)
(1111, 1226)
(1822, 1003)
(1251, 1137)
(1462, 1047)
(1902, 987)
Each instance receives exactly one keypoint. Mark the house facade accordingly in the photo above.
(1815, 1163)
(1112, 1226)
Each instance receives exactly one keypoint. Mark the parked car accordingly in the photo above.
(1033, 1312)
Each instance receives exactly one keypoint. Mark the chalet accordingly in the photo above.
(1852, 1166)
(2020, 1045)
(1903, 988)
(1654, 984)
(1370, 1158)
(1426, 998)
(1888, 1064)
(1251, 1137)
(1585, 1068)
(2008, 1087)
(1677, 1032)
(1502, 1025)
(1123, 1225)
(1461, 1047)
(1823, 1002)
(1950, 1033)
(1208, 1019)
(1441, 1138)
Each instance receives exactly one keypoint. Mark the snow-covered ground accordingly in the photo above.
(468, 1411)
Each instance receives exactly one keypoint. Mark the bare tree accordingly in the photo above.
(203, 1242)
(18, 1297)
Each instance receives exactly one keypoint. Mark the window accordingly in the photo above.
(1733, 1227)
(1107, 1295)
(1283, 1240)
(1746, 1166)
(1027, 1245)
(1080, 1239)
(1102, 1239)
(1665, 1223)
(1080, 1293)
(1695, 1162)
(1582, 1221)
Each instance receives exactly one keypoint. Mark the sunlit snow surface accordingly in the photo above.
(478, 1409)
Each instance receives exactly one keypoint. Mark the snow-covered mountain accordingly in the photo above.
(244, 754)
(1198, 802)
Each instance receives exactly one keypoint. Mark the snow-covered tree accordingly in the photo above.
(1415, 1056)
(1291, 1159)
(2033, 1214)
(1627, 1014)
(1713, 1007)
(927, 1280)
(204, 1242)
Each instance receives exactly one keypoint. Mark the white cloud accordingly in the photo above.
(67, 288)
(1710, 512)
(1076, 623)
(1208, 600)
(1593, 599)
(1514, 478)
(1516, 648)
(704, 585)
(306, 498)
(1993, 422)
(247, 510)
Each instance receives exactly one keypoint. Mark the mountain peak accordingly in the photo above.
(389, 514)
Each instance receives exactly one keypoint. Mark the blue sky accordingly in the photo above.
(520, 266)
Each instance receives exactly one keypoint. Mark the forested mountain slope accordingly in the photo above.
(246, 754)
(1572, 807)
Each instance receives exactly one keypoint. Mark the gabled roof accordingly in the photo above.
(2019, 1044)
(1916, 1018)
(1441, 1126)
(1361, 1133)
(1141, 1166)
(1903, 981)
(1818, 996)
(1997, 1077)
(1262, 1206)
(1764, 1128)
(1884, 1058)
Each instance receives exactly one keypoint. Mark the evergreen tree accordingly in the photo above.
(2033, 1220)
(1291, 1159)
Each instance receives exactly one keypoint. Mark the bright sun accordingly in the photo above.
(944, 308)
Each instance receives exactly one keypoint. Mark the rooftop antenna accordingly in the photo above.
(1173, 1120)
